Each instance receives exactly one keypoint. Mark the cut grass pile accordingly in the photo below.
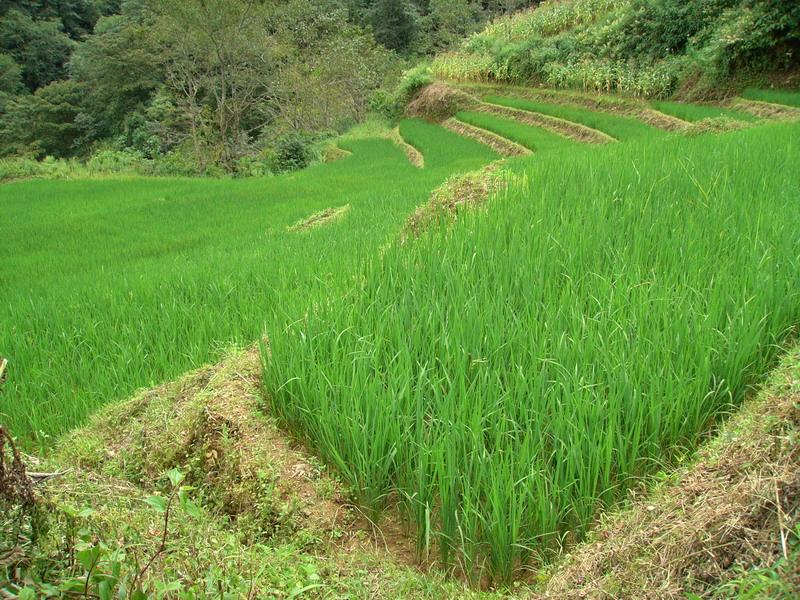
(789, 98)
(533, 138)
(111, 285)
(621, 128)
(505, 378)
(697, 112)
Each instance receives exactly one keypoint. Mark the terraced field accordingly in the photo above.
(502, 376)
(111, 285)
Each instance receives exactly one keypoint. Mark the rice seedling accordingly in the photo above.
(697, 112)
(114, 284)
(534, 138)
(621, 128)
(506, 377)
(787, 97)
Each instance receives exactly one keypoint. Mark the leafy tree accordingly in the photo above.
(450, 21)
(41, 48)
(395, 23)
(43, 123)
(119, 71)
(220, 63)
(10, 75)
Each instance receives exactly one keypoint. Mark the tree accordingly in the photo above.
(450, 21)
(395, 23)
(10, 76)
(43, 123)
(40, 47)
(220, 65)
(118, 69)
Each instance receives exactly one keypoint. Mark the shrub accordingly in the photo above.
(412, 81)
(118, 161)
(292, 152)
(384, 104)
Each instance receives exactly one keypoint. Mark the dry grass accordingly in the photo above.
(438, 102)
(209, 424)
(334, 153)
(625, 107)
(414, 156)
(730, 510)
(766, 110)
(499, 144)
(568, 129)
(471, 191)
(716, 125)
(323, 217)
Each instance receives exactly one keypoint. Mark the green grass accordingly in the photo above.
(442, 148)
(533, 138)
(697, 112)
(115, 284)
(507, 377)
(621, 128)
(789, 98)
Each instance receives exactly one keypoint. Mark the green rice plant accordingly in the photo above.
(698, 112)
(442, 148)
(621, 128)
(508, 376)
(110, 285)
(787, 97)
(534, 138)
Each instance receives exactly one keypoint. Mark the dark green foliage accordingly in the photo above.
(41, 48)
(119, 70)
(395, 23)
(43, 123)
(10, 75)
(292, 152)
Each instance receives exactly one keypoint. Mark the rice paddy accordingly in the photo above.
(506, 378)
(697, 112)
(111, 285)
(533, 138)
(502, 378)
(621, 128)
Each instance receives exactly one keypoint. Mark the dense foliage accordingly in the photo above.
(204, 86)
(641, 47)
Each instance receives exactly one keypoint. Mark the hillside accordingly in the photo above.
(635, 47)
(523, 342)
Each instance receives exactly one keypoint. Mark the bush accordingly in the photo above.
(412, 81)
(118, 161)
(384, 104)
(29, 168)
(292, 152)
(249, 166)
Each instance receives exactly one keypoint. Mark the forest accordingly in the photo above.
(210, 86)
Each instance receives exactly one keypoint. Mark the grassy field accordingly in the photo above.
(111, 285)
(533, 138)
(621, 128)
(507, 377)
(697, 112)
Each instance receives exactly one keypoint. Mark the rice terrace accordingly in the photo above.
(400, 299)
